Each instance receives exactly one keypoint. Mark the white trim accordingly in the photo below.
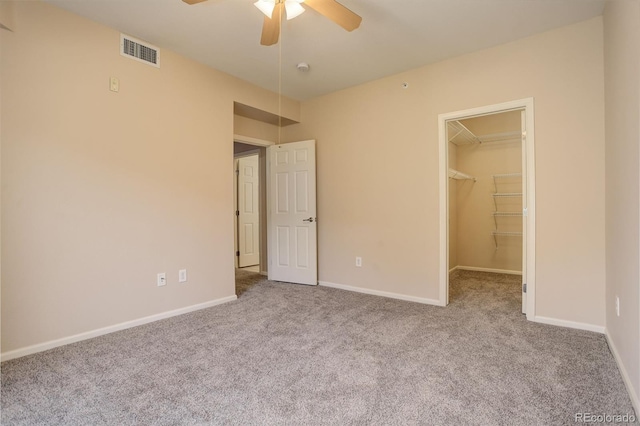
(382, 293)
(443, 289)
(635, 400)
(569, 324)
(528, 105)
(495, 271)
(252, 141)
(17, 353)
(264, 273)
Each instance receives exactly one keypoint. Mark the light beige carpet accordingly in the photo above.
(286, 354)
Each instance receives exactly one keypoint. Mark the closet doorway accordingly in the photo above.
(487, 197)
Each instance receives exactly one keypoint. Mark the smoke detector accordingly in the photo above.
(303, 67)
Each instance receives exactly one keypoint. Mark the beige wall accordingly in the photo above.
(102, 190)
(254, 128)
(377, 202)
(622, 84)
(476, 246)
(6, 15)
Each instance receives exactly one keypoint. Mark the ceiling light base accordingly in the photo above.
(303, 67)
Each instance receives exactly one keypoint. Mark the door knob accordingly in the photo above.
(311, 220)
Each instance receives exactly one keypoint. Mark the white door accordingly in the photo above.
(291, 207)
(523, 124)
(248, 212)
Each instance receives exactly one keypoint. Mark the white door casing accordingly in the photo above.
(523, 125)
(248, 211)
(528, 174)
(291, 213)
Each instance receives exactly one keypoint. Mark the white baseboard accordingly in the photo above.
(382, 293)
(40, 347)
(624, 373)
(569, 324)
(496, 271)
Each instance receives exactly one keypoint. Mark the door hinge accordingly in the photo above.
(524, 287)
(237, 212)
(238, 253)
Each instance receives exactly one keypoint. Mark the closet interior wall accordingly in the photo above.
(472, 202)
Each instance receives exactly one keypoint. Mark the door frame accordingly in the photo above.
(264, 236)
(527, 105)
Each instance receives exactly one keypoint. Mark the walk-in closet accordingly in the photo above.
(485, 158)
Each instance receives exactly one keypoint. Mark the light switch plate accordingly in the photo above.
(114, 84)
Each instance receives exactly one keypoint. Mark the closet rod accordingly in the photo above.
(515, 136)
(507, 175)
(508, 194)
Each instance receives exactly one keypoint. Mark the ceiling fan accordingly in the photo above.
(273, 10)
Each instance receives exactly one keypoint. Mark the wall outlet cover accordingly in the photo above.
(162, 279)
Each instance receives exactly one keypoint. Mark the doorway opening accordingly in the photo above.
(249, 201)
(487, 201)
(287, 221)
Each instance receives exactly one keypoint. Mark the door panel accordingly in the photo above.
(248, 212)
(291, 206)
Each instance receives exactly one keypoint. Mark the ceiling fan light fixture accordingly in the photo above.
(293, 8)
(265, 7)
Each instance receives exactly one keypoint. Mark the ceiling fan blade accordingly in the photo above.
(336, 12)
(193, 1)
(271, 27)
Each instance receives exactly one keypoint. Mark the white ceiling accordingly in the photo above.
(395, 35)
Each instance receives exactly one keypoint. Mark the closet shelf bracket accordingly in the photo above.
(455, 174)
(497, 234)
(461, 135)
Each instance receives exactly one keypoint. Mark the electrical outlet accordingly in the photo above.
(182, 276)
(162, 279)
(358, 261)
(617, 306)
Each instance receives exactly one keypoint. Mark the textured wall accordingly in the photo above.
(622, 85)
(378, 180)
(101, 190)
